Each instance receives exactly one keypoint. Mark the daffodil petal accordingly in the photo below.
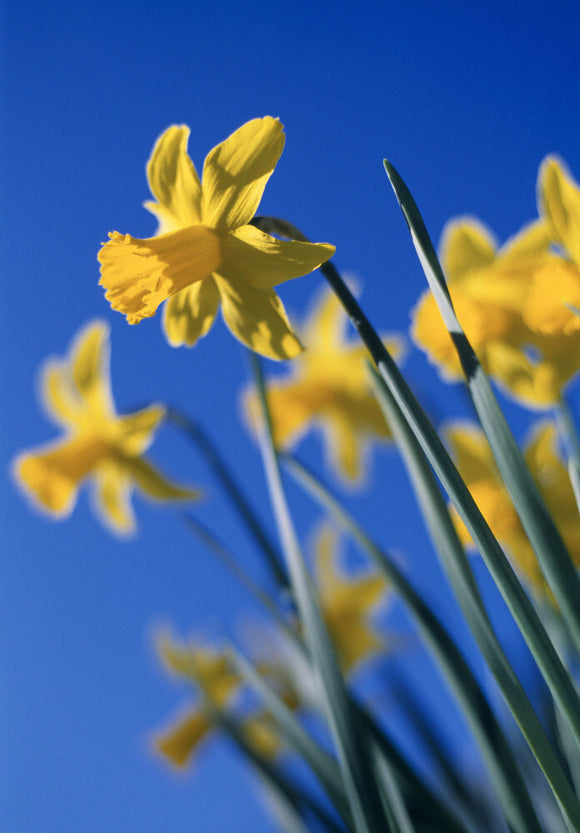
(326, 324)
(89, 362)
(532, 240)
(59, 398)
(553, 289)
(257, 317)
(188, 315)
(140, 274)
(345, 449)
(137, 430)
(51, 476)
(235, 173)
(264, 261)
(173, 181)
(466, 244)
(112, 498)
(559, 202)
(179, 742)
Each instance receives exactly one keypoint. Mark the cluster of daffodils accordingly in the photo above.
(519, 308)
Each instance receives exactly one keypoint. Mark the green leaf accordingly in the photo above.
(542, 532)
(350, 741)
(458, 570)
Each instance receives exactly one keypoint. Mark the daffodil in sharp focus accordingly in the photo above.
(98, 444)
(206, 253)
(327, 386)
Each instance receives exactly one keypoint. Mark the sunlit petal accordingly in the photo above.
(188, 315)
(235, 173)
(52, 475)
(264, 261)
(112, 496)
(179, 742)
(90, 358)
(59, 397)
(559, 202)
(174, 182)
(466, 244)
(136, 430)
(553, 289)
(140, 274)
(532, 240)
(258, 319)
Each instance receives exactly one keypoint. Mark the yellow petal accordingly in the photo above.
(112, 498)
(90, 357)
(188, 315)
(58, 395)
(154, 484)
(559, 202)
(136, 430)
(235, 173)
(466, 245)
(345, 449)
(553, 288)
(179, 742)
(258, 319)
(140, 274)
(52, 475)
(261, 734)
(326, 324)
(532, 240)
(264, 262)
(174, 182)
(326, 553)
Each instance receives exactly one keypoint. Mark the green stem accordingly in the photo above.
(235, 493)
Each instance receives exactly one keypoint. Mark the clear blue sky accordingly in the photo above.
(465, 99)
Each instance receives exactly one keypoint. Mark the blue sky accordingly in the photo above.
(465, 99)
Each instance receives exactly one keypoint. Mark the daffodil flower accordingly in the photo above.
(206, 252)
(327, 386)
(347, 603)
(489, 289)
(479, 470)
(554, 298)
(211, 668)
(98, 444)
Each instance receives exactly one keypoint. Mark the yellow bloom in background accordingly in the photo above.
(347, 603)
(489, 289)
(206, 253)
(328, 386)
(556, 288)
(479, 470)
(195, 664)
(98, 444)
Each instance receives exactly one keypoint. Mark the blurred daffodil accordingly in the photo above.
(489, 289)
(327, 385)
(99, 444)
(554, 299)
(206, 253)
(347, 602)
(210, 669)
(479, 470)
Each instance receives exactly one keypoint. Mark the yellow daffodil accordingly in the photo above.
(554, 298)
(206, 252)
(211, 669)
(479, 470)
(99, 444)
(328, 386)
(347, 603)
(489, 289)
